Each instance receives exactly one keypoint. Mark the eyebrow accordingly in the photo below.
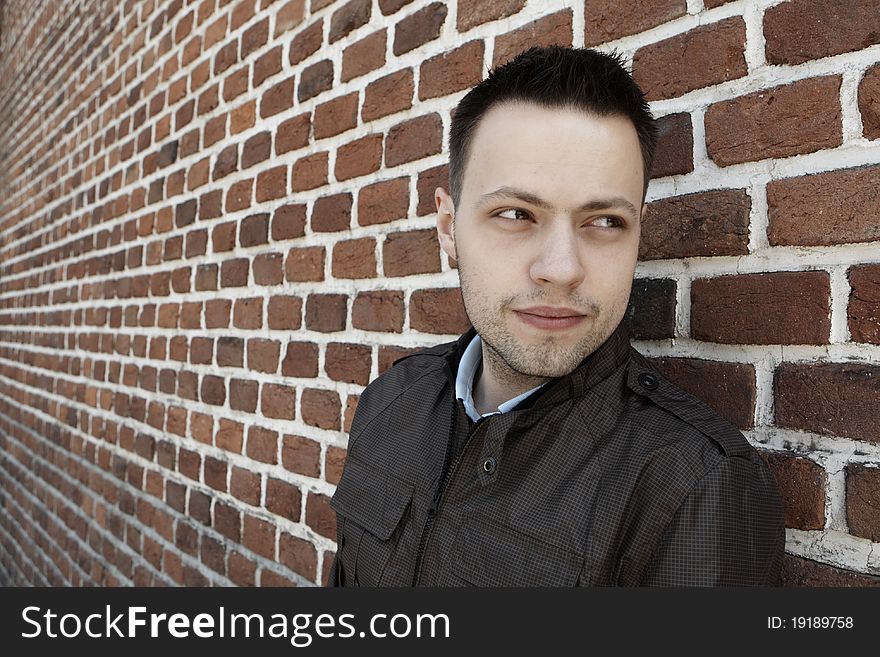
(534, 199)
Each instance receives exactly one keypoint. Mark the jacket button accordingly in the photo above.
(648, 381)
(489, 465)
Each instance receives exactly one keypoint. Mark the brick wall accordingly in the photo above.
(216, 226)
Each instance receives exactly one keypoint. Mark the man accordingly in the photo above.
(539, 448)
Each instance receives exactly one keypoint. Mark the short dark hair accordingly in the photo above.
(577, 78)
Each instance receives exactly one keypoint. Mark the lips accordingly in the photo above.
(550, 317)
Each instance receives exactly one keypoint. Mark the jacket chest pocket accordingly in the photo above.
(371, 506)
(490, 554)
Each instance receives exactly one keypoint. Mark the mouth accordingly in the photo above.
(550, 317)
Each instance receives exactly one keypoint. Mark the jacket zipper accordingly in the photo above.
(448, 470)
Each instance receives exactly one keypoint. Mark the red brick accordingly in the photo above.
(239, 195)
(863, 501)
(267, 65)
(332, 213)
(301, 455)
(703, 224)
(285, 312)
(248, 313)
(289, 16)
(283, 499)
(383, 201)
(552, 30)
(359, 157)
(242, 571)
(254, 230)
(333, 464)
(320, 408)
(801, 30)
(269, 578)
(863, 312)
(837, 399)
(254, 38)
(315, 79)
(774, 308)
(217, 313)
(309, 172)
(351, 404)
(234, 272)
(797, 571)
(348, 18)
(476, 12)
(277, 401)
(430, 180)
(650, 314)
(300, 360)
(364, 56)
(657, 68)
(607, 20)
(801, 117)
(299, 555)
(262, 444)
(213, 390)
(674, 153)
(836, 207)
(259, 536)
(326, 312)
(389, 7)
(378, 311)
(245, 486)
(272, 184)
(268, 269)
(305, 264)
(438, 311)
(262, 355)
(411, 252)
(349, 363)
(307, 42)
(320, 515)
(451, 71)
(801, 484)
(230, 352)
(243, 395)
(336, 116)
(256, 149)
(389, 354)
(278, 98)
(226, 163)
(869, 102)
(354, 258)
(293, 134)
(419, 28)
(388, 95)
(289, 221)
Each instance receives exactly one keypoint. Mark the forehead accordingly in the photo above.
(561, 153)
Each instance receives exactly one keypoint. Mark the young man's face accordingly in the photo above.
(546, 233)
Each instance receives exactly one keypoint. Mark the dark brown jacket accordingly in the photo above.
(607, 476)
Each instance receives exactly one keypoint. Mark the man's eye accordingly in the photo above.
(606, 222)
(515, 214)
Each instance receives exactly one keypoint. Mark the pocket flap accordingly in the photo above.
(371, 498)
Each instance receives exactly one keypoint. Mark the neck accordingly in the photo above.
(496, 382)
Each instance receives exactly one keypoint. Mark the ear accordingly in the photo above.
(445, 222)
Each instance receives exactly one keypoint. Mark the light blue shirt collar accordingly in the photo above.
(464, 382)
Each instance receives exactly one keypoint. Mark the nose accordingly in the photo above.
(558, 261)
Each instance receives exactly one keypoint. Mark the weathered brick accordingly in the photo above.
(271, 184)
(262, 444)
(243, 395)
(226, 162)
(388, 7)
(298, 554)
(354, 258)
(801, 484)
(413, 139)
(315, 79)
(289, 221)
(869, 102)
(773, 308)
(277, 401)
(383, 201)
(348, 18)
(359, 157)
(336, 116)
(607, 20)
(320, 516)
(256, 149)
(801, 30)
(863, 311)
(552, 30)
(259, 536)
(837, 399)
(300, 360)
(332, 213)
(285, 312)
(230, 352)
(389, 354)
(309, 172)
(234, 272)
(245, 486)
(326, 312)
(283, 499)
(293, 133)
(719, 47)
(305, 264)
(301, 455)
(254, 230)
(320, 408)
(262, 355)
(239, 195)
(438, 311)
(837, 207)
(213, 390)
(650, 314)
(797, 571)
(429, 180)
(277, 99)
(476, 12)
(703, 224)
(268, 268)
(333, 464)
(248, 313)
(801, 117)
(266, 66)
(729, 388)
(419, 27)
(349, 363)
(863, 501)
(289, 16)
(674, 153)
(307, 42)
(451, 71)
(364, 56)
(388, 95)
(380, 310)
(411, 252)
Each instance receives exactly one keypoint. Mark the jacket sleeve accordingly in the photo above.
(728, 531)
